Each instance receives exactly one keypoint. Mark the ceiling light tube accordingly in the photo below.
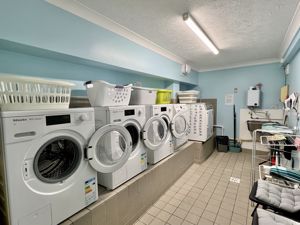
(188, 19)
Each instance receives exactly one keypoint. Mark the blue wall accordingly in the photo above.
(216, 84)
(292, 57)
(41, 25)
(17, 63)
(293, 79)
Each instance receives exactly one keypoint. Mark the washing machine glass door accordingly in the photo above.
(155, 132)
(57, 159)
(179, 124)
(109, 148)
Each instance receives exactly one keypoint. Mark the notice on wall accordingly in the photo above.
(229, 99)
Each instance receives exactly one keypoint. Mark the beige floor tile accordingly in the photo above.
(192, 218)
(175, 202)
(163, 215)
(180, 213)
(146, 218)
(169, 208)
(138, 223)
(199, 203)
(238, 218)
(185, 206)
(157, 222)
(174, 220)
(153, 211)
(196, 210)
(204, 194)
(160, 204)
(186, 223)
(225, 213)
(179, 196)
(204, 221)
(220, 220)
(212, 208)
(209, 215)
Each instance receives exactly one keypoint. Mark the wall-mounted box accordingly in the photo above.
(253, 98)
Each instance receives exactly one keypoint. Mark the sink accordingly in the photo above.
(257, 124)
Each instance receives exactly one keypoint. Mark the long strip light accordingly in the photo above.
(188, 19)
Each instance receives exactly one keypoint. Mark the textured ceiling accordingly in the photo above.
(245, 31)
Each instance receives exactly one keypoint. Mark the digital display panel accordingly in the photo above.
(58, 119)
(129, 112)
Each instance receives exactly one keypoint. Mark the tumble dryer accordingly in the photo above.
(160, 132)
(180, 124)
(133, 119)
(201, 122)
(48, 164)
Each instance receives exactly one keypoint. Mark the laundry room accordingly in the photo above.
(172, 112)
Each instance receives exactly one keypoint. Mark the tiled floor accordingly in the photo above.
(205, 195)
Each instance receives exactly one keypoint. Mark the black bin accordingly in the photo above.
(222, 143)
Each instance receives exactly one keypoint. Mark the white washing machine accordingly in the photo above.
(133, 119)
(180, 125)
(47, 163)
(160, 141)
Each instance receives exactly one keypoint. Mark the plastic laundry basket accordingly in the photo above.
(28, 93)
(143, 96)
(101, 93)
(163, 96)
(188, 97)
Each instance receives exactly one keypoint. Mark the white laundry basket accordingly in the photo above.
(28, 93)
(143, 96)
(102, 93)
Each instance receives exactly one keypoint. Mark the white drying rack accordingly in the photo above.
(271, 132)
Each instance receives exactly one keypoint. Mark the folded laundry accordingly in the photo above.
(293, 175)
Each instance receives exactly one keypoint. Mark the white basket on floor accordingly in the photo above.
(101, 93)
(29, 93)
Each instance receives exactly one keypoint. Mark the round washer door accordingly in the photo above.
(179, 125)
(109, 148)
(57, 159)
(155, 132)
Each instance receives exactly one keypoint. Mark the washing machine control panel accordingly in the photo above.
(26, 127)
(162, 109)
(120, 115)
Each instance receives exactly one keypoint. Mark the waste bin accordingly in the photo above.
(222, 143)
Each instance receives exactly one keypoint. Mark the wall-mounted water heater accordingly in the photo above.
(254, 97)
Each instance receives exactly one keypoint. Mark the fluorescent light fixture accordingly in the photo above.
(188, 19)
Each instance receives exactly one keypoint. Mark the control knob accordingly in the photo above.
(83, 117)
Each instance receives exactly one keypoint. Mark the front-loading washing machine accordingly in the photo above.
(180, 125)
(49, 161)
(161, 133)
(133, 119)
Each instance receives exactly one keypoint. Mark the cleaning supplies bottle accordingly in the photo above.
(273, 159)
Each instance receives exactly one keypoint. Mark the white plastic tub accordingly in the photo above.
(188, 97)
(102, 93)
(190, 93)
(187, 100)
(143, 96)
(29, 93)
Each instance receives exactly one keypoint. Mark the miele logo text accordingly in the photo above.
(19, 120)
